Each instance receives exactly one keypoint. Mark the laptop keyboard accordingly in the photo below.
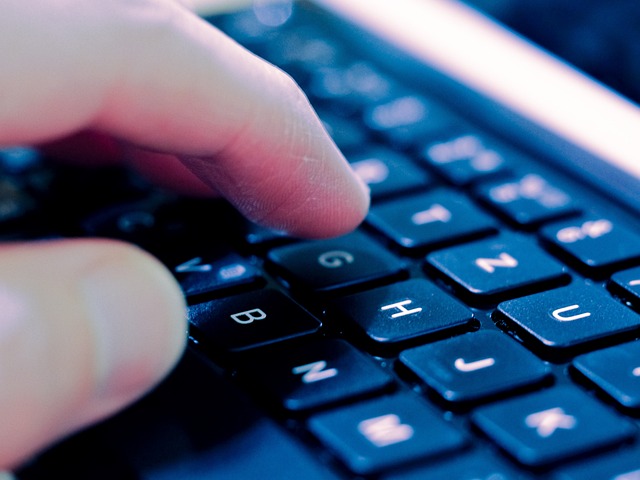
(480, 324)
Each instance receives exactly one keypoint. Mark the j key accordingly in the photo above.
(329, 265)
(623, 465)
(317, 374)
(249, 320)
(545, 427)
(405, 120)
(430, 220)
(402, 312)
(497, 268)
(475, 366)
(595, 244)
(379, 434)
(568, 318)
(466, 157)
(528, 200)
(387, 172)
(473, 466)
(616, 371)
(200, 275)
(627, 285)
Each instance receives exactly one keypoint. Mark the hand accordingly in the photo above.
(87, 326)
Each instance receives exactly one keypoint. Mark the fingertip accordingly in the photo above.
(138, 320)
(94, 325)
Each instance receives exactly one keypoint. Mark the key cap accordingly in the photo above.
(430, 220)
(387, 172)
(379, 434)
(567, 319)
(348, 135)
(528, 200)
(466, 156)
(402, 312)
(325, 266)
(553, 425)
(595, 244)
(626, 284)
(623, 465)
(317, 374)
(348, 89)
(475, 366)
(497, 268)
(249, 320)
(201, 275)
(408, 119)
(615, 371)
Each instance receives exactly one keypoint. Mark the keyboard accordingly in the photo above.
(481, 323)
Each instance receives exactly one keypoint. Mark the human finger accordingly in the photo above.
(179, 85)
(86, 326)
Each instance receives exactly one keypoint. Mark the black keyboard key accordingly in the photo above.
(249, 320)
(568, 318)
(595, 244)
(616, 371)
(556, 424)
(337, 264)
(528, 200)
(623, 465)
(496, 268)
(407, 120)
(348, 89)
(387, 172)
(475, 366)
(626, 284)
(202, 275)
(430, 220)
(379, 434)
(317, 375)
(473, 466)
(466, 157)
(347, 134)
(403, 312)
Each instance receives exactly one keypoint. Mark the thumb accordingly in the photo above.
(86, 326)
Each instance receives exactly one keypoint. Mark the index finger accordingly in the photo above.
(164, 79)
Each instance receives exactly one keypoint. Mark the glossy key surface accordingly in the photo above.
(402, 312)
(474, 366)
(338, 264)
(430, 220)
(545, 427)
(316, 374)
(497, 267)
(595, 243)
(386, 432)
(249, 320)
(568, 318)
(615, 371)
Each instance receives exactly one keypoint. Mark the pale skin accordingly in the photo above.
(188, 108)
